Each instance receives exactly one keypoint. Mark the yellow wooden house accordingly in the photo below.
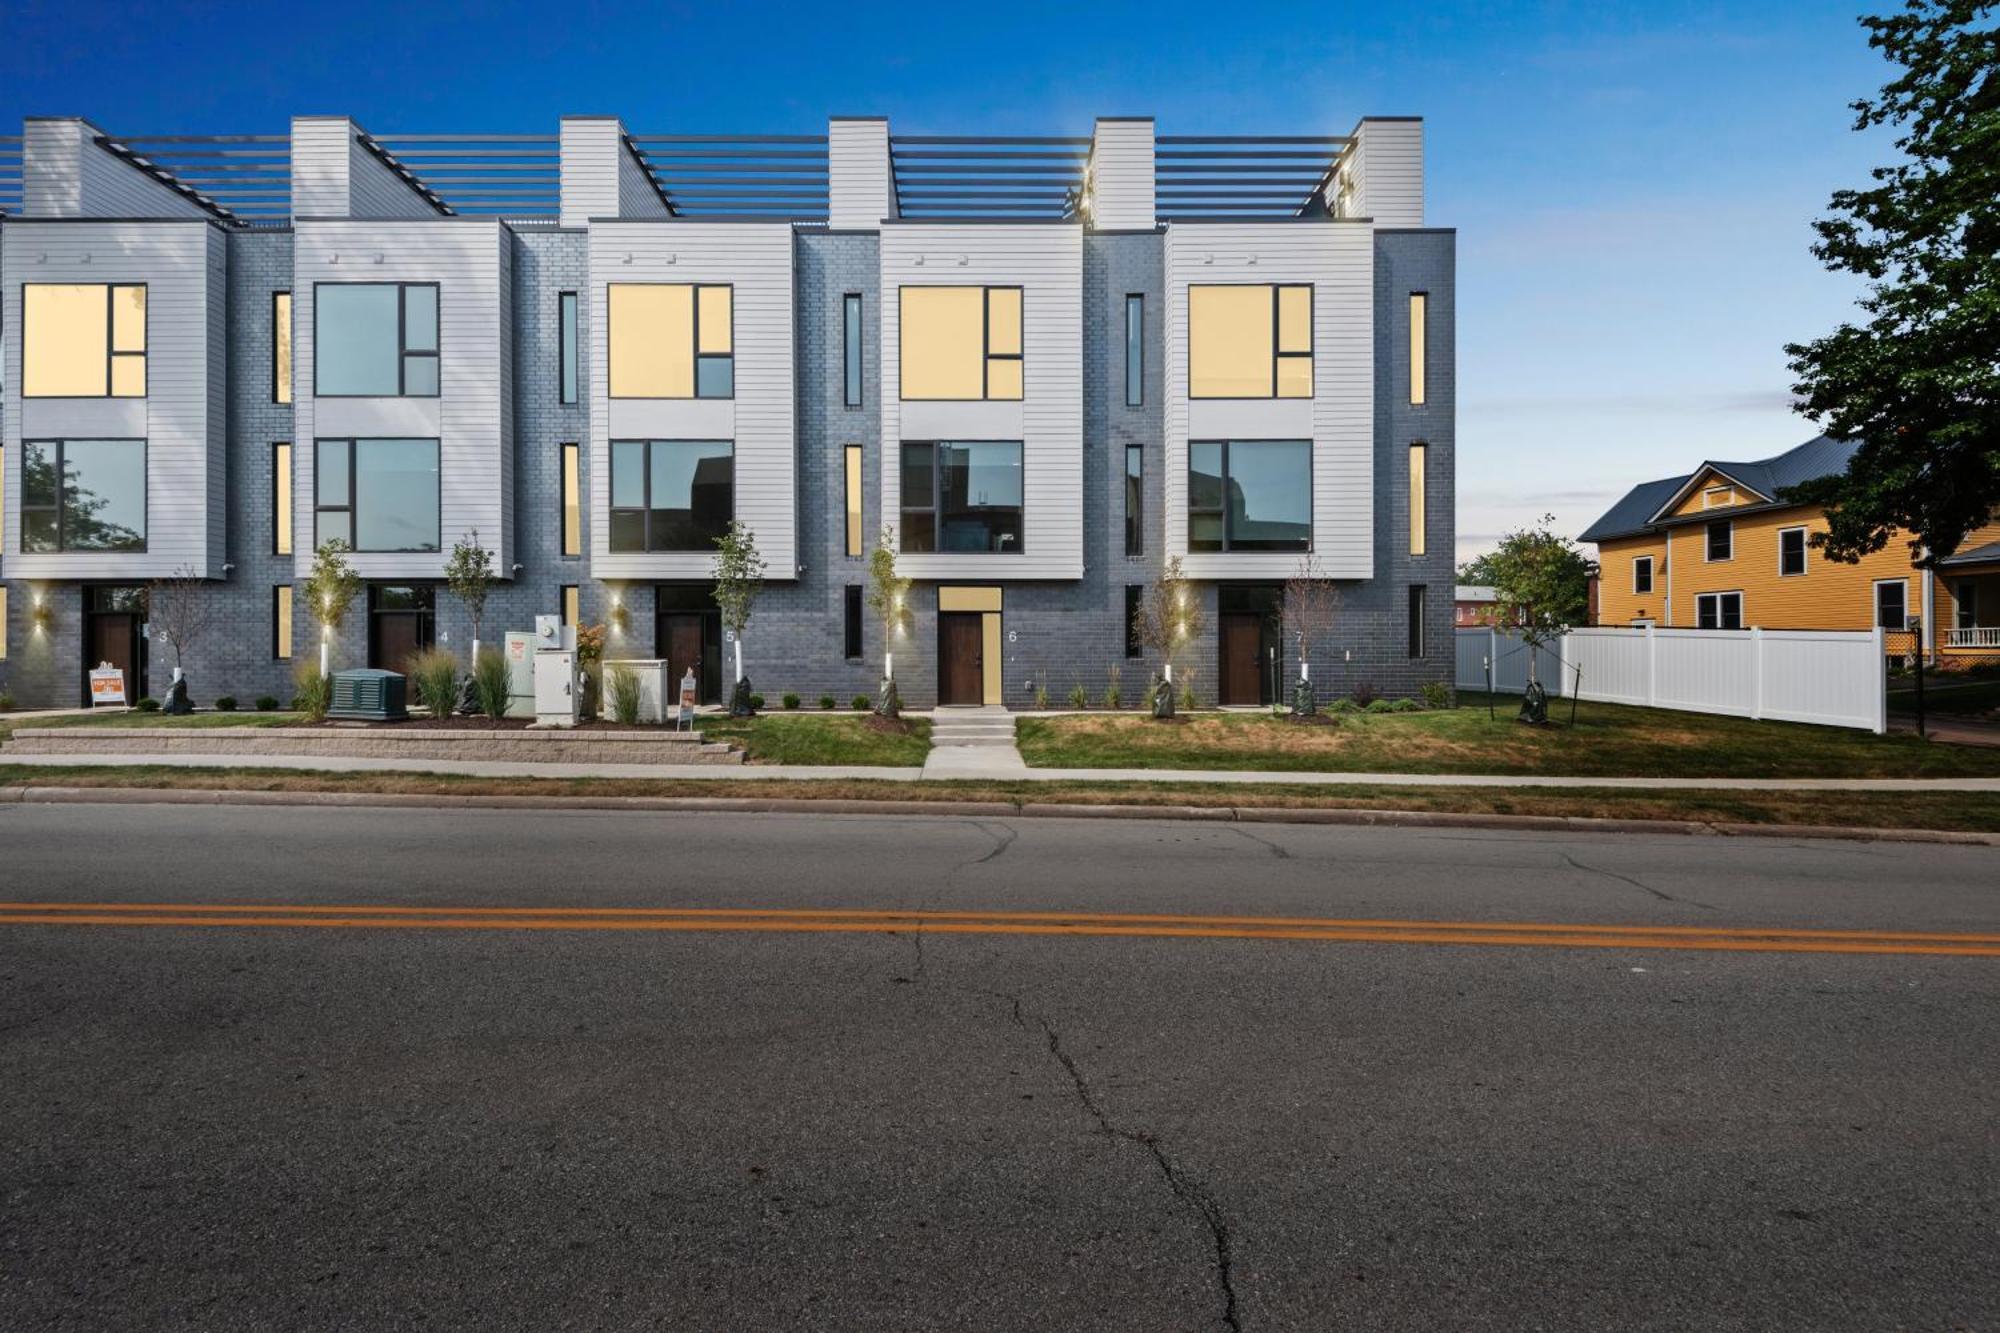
(1719, 548)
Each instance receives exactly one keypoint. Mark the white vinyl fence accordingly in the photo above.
(1836, 679)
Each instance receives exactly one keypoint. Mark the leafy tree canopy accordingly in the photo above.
(1917, 382)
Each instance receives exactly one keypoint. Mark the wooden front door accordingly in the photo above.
(682, 633)
(1242, 636)
(114, 638)
(398, 638)
(961, 658)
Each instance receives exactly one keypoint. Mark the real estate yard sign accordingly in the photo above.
(107, 685)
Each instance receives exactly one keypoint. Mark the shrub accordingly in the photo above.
(756, 702)
(790, 701)
(1406, 706)
(489, 682)
(826, 703)
(1042, 695)
(315, 690)
(434, 673)
(6, 701)
(1378, 706)
(622, 691)
(225, 703)
(1436, 694)
(860, 703)
(1079, 699)
(1363, 693)
(267, 703)
(1343, 706)
(1113, 696)
(149, 705)
(1187, 700)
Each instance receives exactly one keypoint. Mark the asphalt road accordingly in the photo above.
(474, 1123)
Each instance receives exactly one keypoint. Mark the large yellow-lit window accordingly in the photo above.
(281, 499)
(83, 340)
(1250, 341)
(281, 347)
(281, 621)
(960, 343)
(1419, 347)
(1419, 515)
(852, 457)
(671, 340)
(572, 502)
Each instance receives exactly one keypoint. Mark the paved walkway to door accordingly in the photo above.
(973, 743)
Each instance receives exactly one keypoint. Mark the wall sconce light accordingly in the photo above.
(42, 615)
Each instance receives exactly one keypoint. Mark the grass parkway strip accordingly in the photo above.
(1746, 939)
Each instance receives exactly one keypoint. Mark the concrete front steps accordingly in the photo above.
(972, 726)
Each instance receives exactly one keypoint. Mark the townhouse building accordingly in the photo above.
(1041, 366)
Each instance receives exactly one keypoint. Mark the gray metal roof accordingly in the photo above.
(1978, 555)
(1638, 511)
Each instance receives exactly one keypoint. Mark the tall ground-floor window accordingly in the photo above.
(1418, 598)
(1892, 604)
(281, 622)
(1250, 495)
(962, 496)
(851, 619)
(671, 495)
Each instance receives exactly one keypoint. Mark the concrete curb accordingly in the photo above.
(17, 795)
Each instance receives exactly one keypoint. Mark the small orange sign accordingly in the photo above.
(107, 686)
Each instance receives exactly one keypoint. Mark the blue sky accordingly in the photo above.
(1633, 183)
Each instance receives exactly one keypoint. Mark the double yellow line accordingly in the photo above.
(1743, 939)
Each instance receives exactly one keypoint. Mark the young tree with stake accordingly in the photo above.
(1541, 585)
(739, 577)
(1312, 600)
(469, 576)
(1168, 620)
(330, 591)
(888, 598)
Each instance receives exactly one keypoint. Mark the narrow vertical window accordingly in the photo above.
(281, 499)
(567, 355)
(572, 503)
(851, 456)
(1135, 350)
(1134, 595)
(1419, 516)
(281, 347)
(571, 604)
(1419, 347)
(851, 599)
(1416, 620)
(850, 349)
(1135, 492)
(281, 622)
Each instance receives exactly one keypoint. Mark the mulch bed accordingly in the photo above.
(479, 723)
(887, 726)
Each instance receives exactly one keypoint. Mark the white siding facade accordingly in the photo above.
(471, 418)
(1121, 175)
(755, 259)
(860, 191)
(65, 173)
(1338, 259)
(1045, 260)
(182, 417)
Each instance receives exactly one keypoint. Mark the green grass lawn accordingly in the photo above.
(138, 719)
(1973, 811)
(801, 739)
(1608, 740)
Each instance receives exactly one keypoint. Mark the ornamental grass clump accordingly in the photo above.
(314, 690)
(489, 682)
(434, 672)
(622, 690)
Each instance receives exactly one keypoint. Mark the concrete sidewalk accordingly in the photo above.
(976, 771)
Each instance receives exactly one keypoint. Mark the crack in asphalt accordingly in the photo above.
(1261, 841)
(1660, 894)
(1001, 842)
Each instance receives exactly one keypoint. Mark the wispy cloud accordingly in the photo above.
(1649, 404)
